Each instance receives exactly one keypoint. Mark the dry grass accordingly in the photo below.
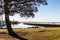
(33, 34)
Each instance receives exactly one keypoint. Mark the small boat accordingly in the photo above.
(2, 24)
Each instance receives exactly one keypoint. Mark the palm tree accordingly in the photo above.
(26, 8)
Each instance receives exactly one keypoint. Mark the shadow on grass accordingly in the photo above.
(13, 34)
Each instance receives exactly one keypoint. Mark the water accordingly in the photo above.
(21, 25)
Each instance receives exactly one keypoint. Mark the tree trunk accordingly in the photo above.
(8, 24)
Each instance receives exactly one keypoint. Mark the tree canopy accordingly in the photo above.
(26, 8)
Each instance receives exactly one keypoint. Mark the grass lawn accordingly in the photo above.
(32, 34)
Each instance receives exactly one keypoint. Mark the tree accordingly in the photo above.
(26, 8)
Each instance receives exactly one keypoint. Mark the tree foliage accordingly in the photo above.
(26, 8)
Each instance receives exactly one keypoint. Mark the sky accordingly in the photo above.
(46, 13)
(51, 12)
